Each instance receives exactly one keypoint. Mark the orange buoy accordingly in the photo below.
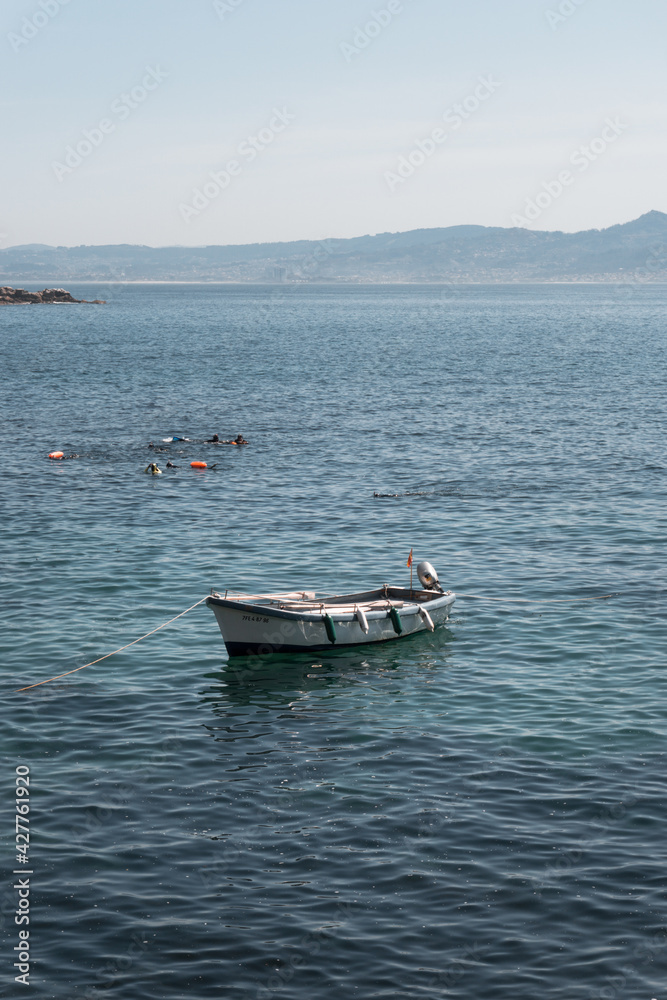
(198, 465)
(56, 454)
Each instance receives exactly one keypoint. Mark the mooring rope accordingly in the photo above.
(107, 655)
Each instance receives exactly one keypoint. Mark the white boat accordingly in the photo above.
(299, 622)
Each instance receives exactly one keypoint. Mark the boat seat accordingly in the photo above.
(346, 609)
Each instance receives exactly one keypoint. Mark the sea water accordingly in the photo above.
(474, 813)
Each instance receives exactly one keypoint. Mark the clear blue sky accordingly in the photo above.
(316, 104)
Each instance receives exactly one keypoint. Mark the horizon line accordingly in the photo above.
(334, 239)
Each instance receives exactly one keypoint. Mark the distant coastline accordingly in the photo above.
(634, 252)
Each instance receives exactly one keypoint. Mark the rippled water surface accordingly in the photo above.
(476, 813)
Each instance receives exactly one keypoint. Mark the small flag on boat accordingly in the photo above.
(410, 558)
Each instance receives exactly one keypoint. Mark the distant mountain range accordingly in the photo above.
(635, 251)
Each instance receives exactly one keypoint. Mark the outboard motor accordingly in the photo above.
(428, 577)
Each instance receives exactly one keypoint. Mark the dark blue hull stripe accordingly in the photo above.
(264, 649)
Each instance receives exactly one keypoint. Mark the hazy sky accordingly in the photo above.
(237, 121)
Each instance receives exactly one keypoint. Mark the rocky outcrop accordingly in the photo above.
(19, 296)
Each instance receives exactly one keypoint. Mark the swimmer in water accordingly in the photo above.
(170, 465)
(239, 439)
(214, 440)
(153, 470)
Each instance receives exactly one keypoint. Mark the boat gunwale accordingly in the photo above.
(429, 601)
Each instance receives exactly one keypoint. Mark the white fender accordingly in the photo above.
(362, 619)
(425, 617)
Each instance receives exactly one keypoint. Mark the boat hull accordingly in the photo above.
(252, 629)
